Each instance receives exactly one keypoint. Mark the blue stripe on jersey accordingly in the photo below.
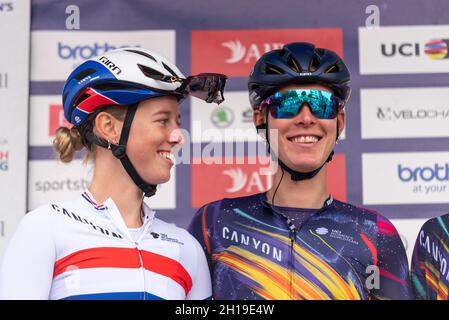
(115, 296)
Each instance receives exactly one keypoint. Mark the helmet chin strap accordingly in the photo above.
(295, 175)
(119, 151)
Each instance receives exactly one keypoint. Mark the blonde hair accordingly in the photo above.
(68, 141)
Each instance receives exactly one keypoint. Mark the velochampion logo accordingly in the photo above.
(386, 113)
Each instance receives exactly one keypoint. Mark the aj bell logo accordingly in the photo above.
(248, 54)
(242, 181)
(434, 49)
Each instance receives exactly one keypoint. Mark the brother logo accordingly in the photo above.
(437, 172)
(66, 51)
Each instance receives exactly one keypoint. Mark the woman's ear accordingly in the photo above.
(108, 127)
(259, 117)
(341, 119)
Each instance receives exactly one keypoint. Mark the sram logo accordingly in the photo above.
(234, 52)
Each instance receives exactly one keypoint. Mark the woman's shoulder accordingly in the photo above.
(236, 202)
(356, 209)
(51, 211)
(362, 212)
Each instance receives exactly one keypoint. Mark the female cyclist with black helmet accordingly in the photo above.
(108, 244)
(296, 241)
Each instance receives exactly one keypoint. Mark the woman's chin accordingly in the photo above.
(304, 166)
(161, 179)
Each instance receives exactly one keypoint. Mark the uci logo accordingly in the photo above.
(6, 7)
(66, 51)
(433, 49)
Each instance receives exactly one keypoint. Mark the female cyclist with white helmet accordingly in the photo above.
(296, 241)
(108, 244)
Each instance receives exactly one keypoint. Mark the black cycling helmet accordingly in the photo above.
(297, 63)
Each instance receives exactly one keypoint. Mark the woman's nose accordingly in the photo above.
(176, 136)
(305, 116)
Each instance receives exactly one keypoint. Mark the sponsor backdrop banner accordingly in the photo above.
(14, 79)
(394, 157)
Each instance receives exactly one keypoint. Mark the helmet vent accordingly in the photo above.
(293, 64)
(115, 86)
(150, 73)
(333, 69)
(142, 54)
(170, 70)
(271, 69)
(314, 64)
(81, 98)
(84, 73)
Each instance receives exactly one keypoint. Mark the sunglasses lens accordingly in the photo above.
(287, 104)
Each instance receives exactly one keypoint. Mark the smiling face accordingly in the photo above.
(152, 138)
(304, 141)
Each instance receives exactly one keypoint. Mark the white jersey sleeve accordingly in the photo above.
(201, 281)
(27, 268)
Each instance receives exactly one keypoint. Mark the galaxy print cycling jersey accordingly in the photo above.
(338, 252)
(430, 270)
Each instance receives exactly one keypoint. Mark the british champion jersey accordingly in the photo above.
(338, 252)
(83, 250)
(430, 261)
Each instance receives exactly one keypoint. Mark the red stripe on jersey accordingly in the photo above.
(124, 258)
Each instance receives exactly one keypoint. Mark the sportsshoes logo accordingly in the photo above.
(67, 51)
(426, 174)
(254, 52)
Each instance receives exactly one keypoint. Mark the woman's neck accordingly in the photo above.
(310, 193)
(110, 180)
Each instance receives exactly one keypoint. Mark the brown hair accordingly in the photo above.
(68, 141)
